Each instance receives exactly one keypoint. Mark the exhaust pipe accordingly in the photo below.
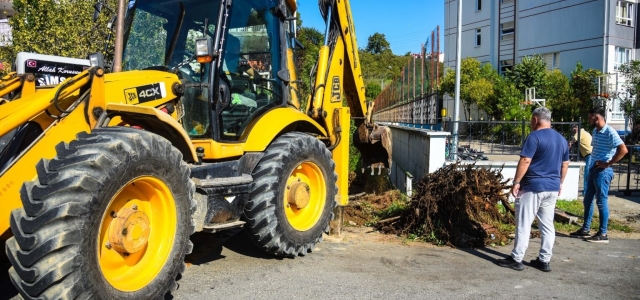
(119, 45)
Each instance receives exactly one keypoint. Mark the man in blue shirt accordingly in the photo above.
(608, 148)
(543, 164)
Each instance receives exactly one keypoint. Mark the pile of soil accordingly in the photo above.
(364, 208)
(457, 206)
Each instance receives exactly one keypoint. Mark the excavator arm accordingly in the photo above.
(339, 82)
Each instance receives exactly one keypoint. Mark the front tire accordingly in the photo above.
(108, 218)
(293, 196)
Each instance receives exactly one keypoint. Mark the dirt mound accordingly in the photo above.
(366, 209)
(457, 206)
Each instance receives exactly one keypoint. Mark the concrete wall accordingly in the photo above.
(417, 152)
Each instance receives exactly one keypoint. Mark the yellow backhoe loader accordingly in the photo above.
(199, 128)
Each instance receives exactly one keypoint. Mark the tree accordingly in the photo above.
(530, 72)
(483, 86)
(631, 74)
(377, 44)
(306, 59)
(56, 27)
(560, 101)
(469, 72)
(508, 102)
(583, 86)
(372, 91)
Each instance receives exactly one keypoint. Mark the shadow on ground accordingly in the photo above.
(485, 253)
(8, 291)
(207, 247)
(633, 198)
(240, 243)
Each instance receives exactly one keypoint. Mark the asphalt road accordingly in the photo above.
(364, 265)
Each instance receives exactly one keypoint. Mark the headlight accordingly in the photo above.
(96, 60)
(204, 50)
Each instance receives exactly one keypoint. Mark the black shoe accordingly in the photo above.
(540, 265)
(580, 233)
(509, 262)
(598, 238)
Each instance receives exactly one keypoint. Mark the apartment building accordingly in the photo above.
(601, 34)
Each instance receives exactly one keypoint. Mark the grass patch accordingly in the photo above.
(577, 208)
(615, 225)
(395, 209)
(565, 227)
(573, 207)
(507, 227)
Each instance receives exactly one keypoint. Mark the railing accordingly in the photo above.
(626, 172)
(491, 137)
(422, 111)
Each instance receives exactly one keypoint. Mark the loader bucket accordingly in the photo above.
(375, 146)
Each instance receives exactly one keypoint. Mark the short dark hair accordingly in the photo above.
(598, 111)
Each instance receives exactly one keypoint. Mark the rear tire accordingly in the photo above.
(275, 225)
(59, 248)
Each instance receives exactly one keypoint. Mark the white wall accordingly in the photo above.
(569, 188)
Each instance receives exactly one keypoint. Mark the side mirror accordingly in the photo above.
(96, 12)
(284, 75)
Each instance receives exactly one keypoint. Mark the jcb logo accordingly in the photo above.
(335, 89)
(145, 93)
(150, 93)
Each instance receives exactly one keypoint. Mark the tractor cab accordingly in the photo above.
(222, 97)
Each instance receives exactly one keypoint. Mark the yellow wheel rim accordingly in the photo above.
(308, 181)
(129, 272)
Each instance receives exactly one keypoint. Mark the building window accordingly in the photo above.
(552, 60)
(623, 56)
(506, 31)
(506, 65)
(478, 5)
(478, 37)
(616, 110)
(624, 13)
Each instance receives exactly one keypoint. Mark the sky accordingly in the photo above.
(405, 23)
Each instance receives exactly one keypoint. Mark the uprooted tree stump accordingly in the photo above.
(457, 206)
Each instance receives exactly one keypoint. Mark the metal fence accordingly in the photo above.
(422, 111)
(485, 137)
(626, 178)
(490, 137)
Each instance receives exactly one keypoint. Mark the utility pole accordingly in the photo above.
(414, 78)
(422, 54)
(456, 103)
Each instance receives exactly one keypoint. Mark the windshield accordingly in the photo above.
(249, 65)
(162, 33)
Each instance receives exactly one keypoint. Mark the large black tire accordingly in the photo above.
(267, 224)
(55, 248)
